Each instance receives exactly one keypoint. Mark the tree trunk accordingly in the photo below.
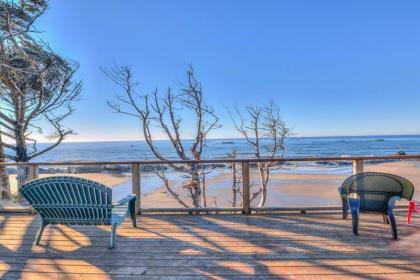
(263, 197)
(22, 175)
(21, 150)
(204, 190)
(21, 156)
(264, 181)
(195, 185)
(234, 184)
(4, 177)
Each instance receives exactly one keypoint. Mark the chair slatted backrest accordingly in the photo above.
(375, 189)
(70, 200)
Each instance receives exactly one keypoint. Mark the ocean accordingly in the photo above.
(219, 148)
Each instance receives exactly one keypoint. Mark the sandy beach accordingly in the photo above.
(286, 189)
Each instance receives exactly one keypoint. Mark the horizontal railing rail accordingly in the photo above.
(358, 166)
(210, 161)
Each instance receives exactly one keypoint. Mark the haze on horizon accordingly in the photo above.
(334, 68)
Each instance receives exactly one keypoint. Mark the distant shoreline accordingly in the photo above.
(120, 169)
(239, 139)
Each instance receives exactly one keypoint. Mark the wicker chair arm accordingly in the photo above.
(342, 193)
(391, 203)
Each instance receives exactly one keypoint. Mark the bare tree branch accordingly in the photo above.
(155, 110)
(266, 126)
(174, 194)
(37, 86)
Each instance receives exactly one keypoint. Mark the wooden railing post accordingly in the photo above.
(246, 203)
(357, 166)
(136, 187)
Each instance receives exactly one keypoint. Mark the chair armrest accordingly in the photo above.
(391, 203)
(343, 195)
(416, 205)
(125, 200)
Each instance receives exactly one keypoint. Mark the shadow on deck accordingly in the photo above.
(277, 246)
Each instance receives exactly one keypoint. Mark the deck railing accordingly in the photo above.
(358, 166)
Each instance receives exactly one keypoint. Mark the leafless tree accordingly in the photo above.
(4, 177)
(164, 111)
(37, 87)
(236, 180)
(265, 131)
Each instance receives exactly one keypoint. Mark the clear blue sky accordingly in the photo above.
(333, 67)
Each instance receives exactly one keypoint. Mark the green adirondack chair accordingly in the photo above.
(76, 201)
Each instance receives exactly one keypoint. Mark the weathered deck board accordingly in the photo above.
(278, 246)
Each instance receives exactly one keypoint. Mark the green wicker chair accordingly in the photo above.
(75, 201)
(376, 193)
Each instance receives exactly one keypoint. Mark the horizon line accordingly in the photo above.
(239, 138)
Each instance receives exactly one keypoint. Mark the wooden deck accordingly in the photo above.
(277, 246)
